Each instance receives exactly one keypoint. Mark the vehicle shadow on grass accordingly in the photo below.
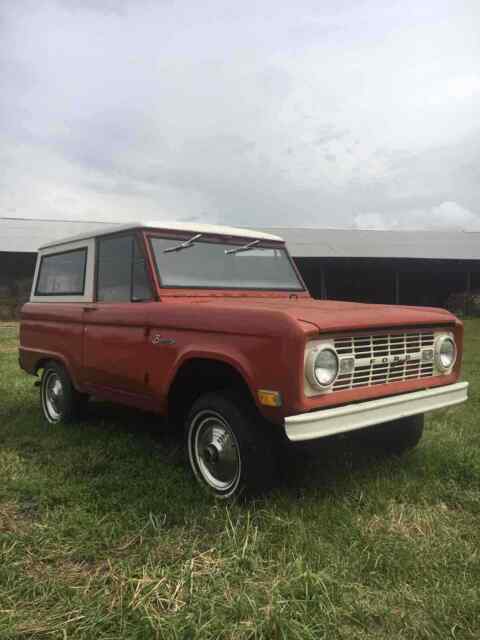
(313, 465)
(332, 460)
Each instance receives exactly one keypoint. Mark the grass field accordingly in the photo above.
(104, 534)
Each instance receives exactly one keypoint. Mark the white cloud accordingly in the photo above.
(450, 215)
(464, 86)
(443, 217)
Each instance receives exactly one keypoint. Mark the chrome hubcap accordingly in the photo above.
(53, 396)
(216, 451)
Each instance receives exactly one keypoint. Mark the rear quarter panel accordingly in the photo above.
(52, 330)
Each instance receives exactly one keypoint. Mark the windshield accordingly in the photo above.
(213, 265)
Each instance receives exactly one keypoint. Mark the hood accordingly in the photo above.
(330, 315)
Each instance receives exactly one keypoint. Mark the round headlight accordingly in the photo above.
(325, 367)
(446, 353)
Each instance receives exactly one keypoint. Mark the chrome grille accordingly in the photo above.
(370, 353)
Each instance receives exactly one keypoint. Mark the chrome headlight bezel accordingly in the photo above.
(440, 340)
(310, 366)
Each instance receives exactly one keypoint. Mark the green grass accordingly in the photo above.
(104, 534)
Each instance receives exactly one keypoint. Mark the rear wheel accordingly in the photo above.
(228, 446)
(397, 436)
(60, 401)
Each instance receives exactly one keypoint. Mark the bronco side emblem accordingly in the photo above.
(157, 339)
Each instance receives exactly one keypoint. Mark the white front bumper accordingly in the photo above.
(326, 422)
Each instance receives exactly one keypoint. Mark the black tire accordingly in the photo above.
(60, 401)
(231, 449)
(397, 436)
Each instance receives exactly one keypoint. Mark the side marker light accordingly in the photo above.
(269, 398)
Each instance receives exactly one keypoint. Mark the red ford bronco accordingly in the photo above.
(214, 328)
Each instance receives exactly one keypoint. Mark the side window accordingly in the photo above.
(141, 287)
(121, 271)
(114, 270)
(62, 274)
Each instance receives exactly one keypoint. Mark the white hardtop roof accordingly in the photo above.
(168, 226)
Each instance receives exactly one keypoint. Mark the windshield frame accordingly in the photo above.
(234, 241)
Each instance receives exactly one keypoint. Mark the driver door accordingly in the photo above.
(115, 325)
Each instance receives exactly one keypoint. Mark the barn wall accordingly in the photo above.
(378, 280)
(16, 274)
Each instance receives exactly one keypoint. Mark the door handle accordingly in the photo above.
(90, 308)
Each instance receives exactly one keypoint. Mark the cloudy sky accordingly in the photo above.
(337, 113)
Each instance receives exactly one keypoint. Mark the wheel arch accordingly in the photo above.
(203, 374)
(57, 358)
(40, 364)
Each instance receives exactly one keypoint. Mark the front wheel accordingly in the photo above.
(228, 447)
(397, 436)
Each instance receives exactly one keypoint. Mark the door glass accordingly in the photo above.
(114, 275)
(141, 289)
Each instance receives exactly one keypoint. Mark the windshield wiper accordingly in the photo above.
(184, 245)
(245, 247)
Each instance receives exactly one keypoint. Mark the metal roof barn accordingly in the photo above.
(27, 235)
(408, 267)
(356, 243)
(23, 235)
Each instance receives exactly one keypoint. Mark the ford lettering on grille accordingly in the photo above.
(384, 358)
(388, 359)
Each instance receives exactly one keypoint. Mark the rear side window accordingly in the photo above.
(62, 274)
(121, 272)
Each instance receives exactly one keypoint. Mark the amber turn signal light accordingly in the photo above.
(270, 398)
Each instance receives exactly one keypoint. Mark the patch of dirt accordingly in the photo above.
(8, 337)
(4, 349)
(13, 520)
(65, 570)
(409, 521)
